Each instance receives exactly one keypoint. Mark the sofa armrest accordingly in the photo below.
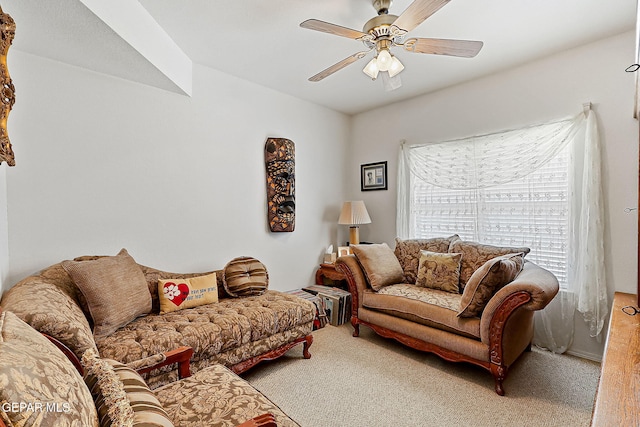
(532, 290)
(264, 420)
(50, 309)
(181, 356)
(350, 267)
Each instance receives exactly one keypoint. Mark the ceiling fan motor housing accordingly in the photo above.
(379, 26)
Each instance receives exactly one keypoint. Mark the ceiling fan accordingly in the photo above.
(386, 31)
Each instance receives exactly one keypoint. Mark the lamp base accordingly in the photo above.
(354, 235)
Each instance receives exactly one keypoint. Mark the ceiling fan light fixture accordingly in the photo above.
(371, 69)
(396, 67)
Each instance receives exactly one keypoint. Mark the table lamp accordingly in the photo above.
(353, 214)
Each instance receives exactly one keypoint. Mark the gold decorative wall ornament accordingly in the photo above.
(280, 161)
(7, 92)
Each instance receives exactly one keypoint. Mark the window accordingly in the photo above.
(538, 186)
(532, 211)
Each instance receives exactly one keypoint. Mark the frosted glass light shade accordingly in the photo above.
(384, 60)
(354, 213)
(396, 67)
(371, 69)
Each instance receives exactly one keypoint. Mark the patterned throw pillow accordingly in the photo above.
(115, 289)
(474, 255)
(178, 294)
(33, 371)
(380, 265)
(487, 280)
(439, 271)
(121, 396)
(408, 253)
(245, 276)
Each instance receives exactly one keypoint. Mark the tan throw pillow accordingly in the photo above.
(474, 255)
(487, 280)
(177, 294)
(380, 265)
(408, 253)
(245, 276)
(439, 271)
(121, 396)
(115, 289)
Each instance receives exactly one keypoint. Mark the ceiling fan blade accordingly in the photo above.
(326, 27)
(417, 12)
(338, 66)
(461, 48)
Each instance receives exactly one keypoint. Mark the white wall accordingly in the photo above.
(4, 229)
(550, 88)
(104, 163)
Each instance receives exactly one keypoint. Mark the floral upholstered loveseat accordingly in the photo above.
(236, 331)
(42, 388)
(463, 301)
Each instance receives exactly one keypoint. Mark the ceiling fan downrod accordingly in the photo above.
(382, 6)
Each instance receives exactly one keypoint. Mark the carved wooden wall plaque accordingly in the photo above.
(7, 94)
(280, 161)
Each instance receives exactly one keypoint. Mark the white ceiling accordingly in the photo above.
(261, 41)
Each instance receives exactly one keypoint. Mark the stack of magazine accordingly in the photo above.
(321, 316)
(337, 302)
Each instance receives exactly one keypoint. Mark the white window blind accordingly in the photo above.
(532, 211)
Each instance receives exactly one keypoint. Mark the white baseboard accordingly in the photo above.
(584, 355)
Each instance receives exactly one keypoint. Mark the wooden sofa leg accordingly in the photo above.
(499, 373)
(308, 340)
(356, 327)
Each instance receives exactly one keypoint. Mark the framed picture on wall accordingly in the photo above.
(373, 176)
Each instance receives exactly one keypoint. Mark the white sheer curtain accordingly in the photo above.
(482, 162)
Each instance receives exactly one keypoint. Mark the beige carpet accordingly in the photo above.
(371, 381)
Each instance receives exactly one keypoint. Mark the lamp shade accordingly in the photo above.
(354, 213)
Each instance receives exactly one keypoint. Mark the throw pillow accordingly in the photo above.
(474, 255)
(115, 289)
(487, 280)
(177, 294)
(121, 396)
(380, 265)
(408, 253)
(34, 371)
(245, 276)
(439, 271)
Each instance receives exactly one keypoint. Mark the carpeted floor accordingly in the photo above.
(371, 381)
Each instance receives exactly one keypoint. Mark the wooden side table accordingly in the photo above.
(329, 271)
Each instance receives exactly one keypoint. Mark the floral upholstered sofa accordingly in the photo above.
(42, 388)
(112, 305)
(463, 301)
